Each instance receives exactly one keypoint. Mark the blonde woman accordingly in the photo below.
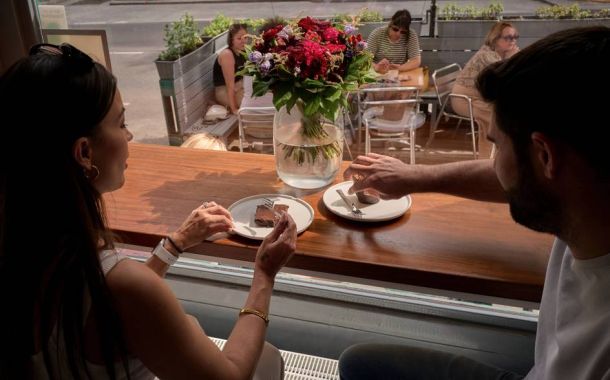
(500, 43)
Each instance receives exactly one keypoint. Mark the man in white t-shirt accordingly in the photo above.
(552, 168)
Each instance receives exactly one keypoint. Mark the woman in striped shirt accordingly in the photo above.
(395, 47)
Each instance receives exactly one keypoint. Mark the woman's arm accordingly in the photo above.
(411, 64)
(227, 63)
(413, 56)
(162, 336)
(203, 222)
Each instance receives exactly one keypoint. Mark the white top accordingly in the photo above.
(60, 368)
(573, 339)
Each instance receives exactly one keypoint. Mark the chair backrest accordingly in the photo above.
(392, 108)
(256, 121)
(92, 42)
(444, 79)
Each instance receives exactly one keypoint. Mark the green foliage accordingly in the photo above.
(254, 24)
(570, 12)
(366, 15)
(452, 11)
(341, 18)
(181, 38)
(219, 24)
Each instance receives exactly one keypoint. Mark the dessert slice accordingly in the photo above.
(265, 217)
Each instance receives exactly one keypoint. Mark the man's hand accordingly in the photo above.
(386, 176)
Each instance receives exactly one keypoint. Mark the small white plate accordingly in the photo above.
(378, 212)
(243, 212)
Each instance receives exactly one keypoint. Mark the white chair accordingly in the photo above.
(257, 123)
(444, 79)
(391, 113)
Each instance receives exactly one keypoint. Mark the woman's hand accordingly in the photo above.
(204, 221)
(278, 247)
(382, 66)
(386, 176)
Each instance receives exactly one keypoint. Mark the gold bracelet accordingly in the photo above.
(259, 314)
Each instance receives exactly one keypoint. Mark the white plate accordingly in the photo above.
(243, 212)
(378, 212)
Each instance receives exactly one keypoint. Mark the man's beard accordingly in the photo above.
(531, 205)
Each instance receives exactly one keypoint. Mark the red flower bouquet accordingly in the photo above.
(310, 61)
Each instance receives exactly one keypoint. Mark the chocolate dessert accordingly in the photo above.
(265, 217)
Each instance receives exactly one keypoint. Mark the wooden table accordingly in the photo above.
(443, 242)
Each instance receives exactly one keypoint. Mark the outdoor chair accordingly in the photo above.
(391, 114)
(444, 79)
(255, 123)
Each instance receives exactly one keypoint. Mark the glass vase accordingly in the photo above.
(308, 149)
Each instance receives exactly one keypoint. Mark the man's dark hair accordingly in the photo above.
(550, 87)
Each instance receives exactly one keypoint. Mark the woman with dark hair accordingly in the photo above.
(395, 47)
(74, 306)
(500, 43)
(228, 87)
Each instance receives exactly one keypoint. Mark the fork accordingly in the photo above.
(355, 210)
(269, 204)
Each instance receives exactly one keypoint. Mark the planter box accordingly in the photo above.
(175, 69)
(187, 87)
(530, 30)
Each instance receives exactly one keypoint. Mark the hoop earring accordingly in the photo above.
(92, 173)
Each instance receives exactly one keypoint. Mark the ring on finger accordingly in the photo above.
(205, 204)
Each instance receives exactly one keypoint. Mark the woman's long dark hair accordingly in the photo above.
(52, 221)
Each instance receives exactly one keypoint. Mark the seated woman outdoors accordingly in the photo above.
(500, 43)
(78, 307)
(395, 47)
(228, 87)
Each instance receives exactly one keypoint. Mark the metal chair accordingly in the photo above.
(256, 122)
(391, 113)
(444, 79)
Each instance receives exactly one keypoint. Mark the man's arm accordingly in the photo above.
(392, 178)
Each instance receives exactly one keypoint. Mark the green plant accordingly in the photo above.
(452, 11)
(219, 24)
(181, 38)
(341, 18)
(254, 24)
(366, 15)
(570, 12)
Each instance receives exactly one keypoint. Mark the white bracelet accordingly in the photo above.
(163, 254)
